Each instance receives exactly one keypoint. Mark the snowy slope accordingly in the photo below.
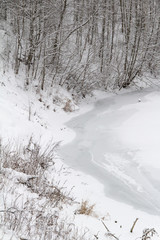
(23, 114)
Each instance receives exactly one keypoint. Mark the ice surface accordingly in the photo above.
(118, 143)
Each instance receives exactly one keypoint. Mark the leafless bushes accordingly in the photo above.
(86, 45)
(33, 200)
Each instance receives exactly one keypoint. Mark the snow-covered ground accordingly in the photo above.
(107, 150)
(110, 158)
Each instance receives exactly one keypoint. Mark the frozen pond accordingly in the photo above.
(112, 145)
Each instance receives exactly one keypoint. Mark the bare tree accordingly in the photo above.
(84, 44)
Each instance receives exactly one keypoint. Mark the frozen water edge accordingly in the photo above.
(103, 149)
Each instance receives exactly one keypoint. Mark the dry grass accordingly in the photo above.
(148, 233)
(68, 106)
(32, 204)
(86, 208)
(29, 159)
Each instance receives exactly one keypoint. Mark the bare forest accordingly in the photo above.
(83, 45)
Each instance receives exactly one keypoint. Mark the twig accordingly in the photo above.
(112, 235)
(29, 112)
(109, 233)
(105, 226)
(133, 225)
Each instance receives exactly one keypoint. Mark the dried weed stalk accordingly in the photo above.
(36, 216)
(86, 208)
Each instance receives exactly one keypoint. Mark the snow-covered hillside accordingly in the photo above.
(24, 114)
(41, 197)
